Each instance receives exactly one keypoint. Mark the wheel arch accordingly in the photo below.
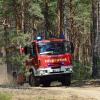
(32, 70)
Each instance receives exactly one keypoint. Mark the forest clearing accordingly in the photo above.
(88, 91)
(44, 42)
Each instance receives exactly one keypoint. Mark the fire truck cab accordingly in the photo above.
(49, 60)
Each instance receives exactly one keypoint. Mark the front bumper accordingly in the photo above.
(53, 71)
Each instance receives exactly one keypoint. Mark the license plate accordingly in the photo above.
(56, 70)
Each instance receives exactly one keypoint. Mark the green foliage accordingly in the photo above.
(5, 96)
(19, 39)
(52, 14)
(83, 14)
(52, 6)
(80, 71)
(19, 61)
(1, 7)
(35, 11)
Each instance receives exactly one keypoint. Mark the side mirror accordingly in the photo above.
(25, 50)
(21, 50)
(28, 50)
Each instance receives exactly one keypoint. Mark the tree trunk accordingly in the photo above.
(23, 17)
(59, 16)
(17, 17)
(65, 19)
(46, 16)
(95, 31)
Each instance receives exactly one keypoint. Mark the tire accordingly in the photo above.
(33, 81)
(66, 80)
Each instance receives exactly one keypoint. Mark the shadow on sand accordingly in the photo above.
(76, 83)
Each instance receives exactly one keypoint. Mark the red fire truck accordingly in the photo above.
(49, 60)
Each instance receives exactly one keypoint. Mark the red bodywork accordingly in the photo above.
(44, 61)
(55, 60)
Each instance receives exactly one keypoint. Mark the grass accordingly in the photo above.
(5, 96)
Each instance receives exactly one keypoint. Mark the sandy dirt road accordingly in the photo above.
(25, 92)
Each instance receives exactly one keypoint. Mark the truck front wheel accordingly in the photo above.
(33, 81)
(66, 81)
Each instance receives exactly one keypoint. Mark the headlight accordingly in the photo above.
(42, 72)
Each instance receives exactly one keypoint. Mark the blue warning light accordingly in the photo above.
(39, 38)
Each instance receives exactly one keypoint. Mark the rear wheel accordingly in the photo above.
(66, 81)
(33, 81)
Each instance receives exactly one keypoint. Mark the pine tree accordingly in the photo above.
(95, 37)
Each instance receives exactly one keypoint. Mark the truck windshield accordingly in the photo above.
(53, 48)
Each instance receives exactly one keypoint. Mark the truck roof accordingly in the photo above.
(49, 40)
